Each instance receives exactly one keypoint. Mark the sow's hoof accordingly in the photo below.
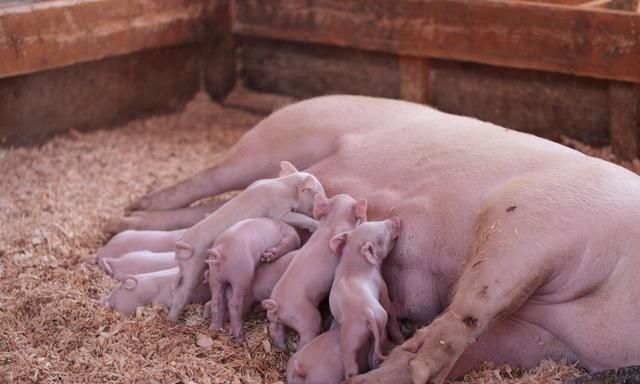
(624, 375)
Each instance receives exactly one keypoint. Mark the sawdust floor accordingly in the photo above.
(54, 200)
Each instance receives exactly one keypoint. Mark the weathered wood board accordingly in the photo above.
(99, 94)
(542, 103)
(306, 70)
(99, 63)
(571, 40)
(49, 35)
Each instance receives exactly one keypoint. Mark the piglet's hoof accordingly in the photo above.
(394, 370)
(268, 255)
(90, 263)
(238, 338)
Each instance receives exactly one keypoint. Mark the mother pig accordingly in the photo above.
(515, 248)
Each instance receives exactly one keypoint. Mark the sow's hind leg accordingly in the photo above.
(162, 220)
(296, 134)
(504, 266)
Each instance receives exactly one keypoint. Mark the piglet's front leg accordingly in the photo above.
(300, 220)
(392, 325)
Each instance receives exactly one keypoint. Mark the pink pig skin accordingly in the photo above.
(132, 241)
(155, 287)
(308, 279)
(536, 238)
(320, 361)
(266, 277)
(135, 263)
(289, 197)
(232, 263)
(359, 299)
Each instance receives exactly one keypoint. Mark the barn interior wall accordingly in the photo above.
(108, 92)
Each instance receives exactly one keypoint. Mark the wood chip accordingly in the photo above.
(204, 341)
(266, 345)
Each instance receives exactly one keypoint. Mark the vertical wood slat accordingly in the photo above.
(414, 79)
(624, 110)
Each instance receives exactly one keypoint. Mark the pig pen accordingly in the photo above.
(565, 70)
(55, 200)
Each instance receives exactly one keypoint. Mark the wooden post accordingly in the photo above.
(624, 119)
(414, 79)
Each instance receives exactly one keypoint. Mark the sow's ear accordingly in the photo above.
(360, 211)
(130, 282)
(320, 206)
(337, 243)
(286, 168)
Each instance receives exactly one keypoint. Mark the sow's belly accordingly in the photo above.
(424, 262)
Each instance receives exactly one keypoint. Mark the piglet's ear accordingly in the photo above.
(299, 370)
(130, 282)
(369, 253)
(309, 184)
(320, 206)
(286, 168)
(205, 276)
(360, 211)
(337, 243)
(396, 225)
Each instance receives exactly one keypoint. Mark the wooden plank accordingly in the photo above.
(256, 102)
(571, 40)
(596, 3)
(414, 79)
(307, 70)
(556, 2)
(57, 33)
(545, 104)
(622, 5)
(625, 5)
(624, 109)
(98, 94)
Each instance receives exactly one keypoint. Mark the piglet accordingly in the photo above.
(320, 361)
(233, 259)
(359, 300)
(134, 263)
(155, 287)
(288, 197)
(266, 277)
(132, 241)
(308, 279)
